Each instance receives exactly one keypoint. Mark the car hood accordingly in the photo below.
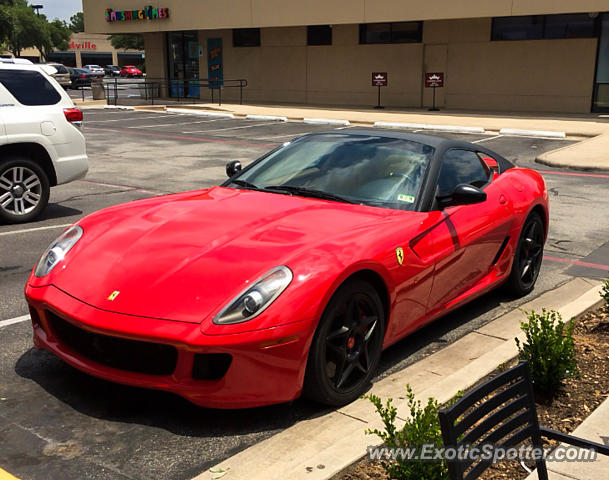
(183, 257)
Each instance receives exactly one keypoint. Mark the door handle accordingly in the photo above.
(502, 199)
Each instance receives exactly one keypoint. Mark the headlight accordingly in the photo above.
(57, 250)
(255, 299)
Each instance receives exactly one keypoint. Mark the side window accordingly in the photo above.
(461, 166)
(29, 87)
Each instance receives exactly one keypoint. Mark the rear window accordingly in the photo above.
(60, 68)
(29, 87)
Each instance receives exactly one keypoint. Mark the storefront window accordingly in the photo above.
(319, 35)
(183, 62)
(535, 27)
(601, 86)
(246, 37)
(401, 32)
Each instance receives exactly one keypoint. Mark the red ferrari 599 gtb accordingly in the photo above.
(293, 275)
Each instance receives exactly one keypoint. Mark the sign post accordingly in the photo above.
(434, 80)
(379, 79)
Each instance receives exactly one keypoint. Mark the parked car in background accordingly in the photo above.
(62, 75)
(96, 70)
(131, 71)
(41, 143)
(112, 71)
(80, 77)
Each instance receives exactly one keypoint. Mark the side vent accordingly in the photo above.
(501, 249)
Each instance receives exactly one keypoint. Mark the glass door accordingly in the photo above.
(183, 59)
(600, 102)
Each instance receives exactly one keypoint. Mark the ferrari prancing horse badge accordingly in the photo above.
(399, 253)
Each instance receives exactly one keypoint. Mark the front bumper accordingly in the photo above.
(266, 366)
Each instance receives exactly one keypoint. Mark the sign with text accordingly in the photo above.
(215, 68)
(379, 79)
(146, 13)
(434, 79)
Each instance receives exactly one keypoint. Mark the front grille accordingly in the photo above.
(210, 366)
(131, 355)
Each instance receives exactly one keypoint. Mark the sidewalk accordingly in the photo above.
(321, 447)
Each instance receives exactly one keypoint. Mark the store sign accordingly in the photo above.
(82, 46)
(147, 13)
(434, 79)
(379, 79)
(215, 67)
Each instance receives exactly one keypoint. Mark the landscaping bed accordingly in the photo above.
(573, 403)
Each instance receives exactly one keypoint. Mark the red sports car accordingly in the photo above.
(130, 71)
(293, 275)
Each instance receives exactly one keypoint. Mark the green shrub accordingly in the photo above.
(549, 350)
(423, 427)
(605, 292)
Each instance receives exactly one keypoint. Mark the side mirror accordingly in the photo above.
(463, 194)
(233, 167)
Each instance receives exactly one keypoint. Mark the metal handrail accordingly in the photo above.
(149, 86)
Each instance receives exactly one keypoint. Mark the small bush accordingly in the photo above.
(423, 427)
(605, 292)
(549, 350)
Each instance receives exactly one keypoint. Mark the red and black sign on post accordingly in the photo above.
(379, 79)
(434, 80)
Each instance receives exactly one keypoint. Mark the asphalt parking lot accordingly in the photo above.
(58, 423)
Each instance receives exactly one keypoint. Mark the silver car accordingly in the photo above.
(96, 70)
(62, 76)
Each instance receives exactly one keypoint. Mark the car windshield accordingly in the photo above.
(365, 169)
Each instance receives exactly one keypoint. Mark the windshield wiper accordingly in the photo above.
(307, 192)
(244, 184)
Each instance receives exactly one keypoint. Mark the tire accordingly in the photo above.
(347, 345)
(527, 257)
(24, 190)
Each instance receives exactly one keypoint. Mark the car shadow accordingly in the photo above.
(105, 400)
(56, 210)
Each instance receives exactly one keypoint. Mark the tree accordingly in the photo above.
(57, 37)
(27, 29)
(77, 23)
(127, 42)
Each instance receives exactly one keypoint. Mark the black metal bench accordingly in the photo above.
(501, 413)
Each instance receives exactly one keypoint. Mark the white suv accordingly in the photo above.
(41, 144)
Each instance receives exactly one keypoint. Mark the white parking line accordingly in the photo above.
(6, 323)
(230, 128)
(27, 230)
(487, 138)
(132, 118)
(177, 124)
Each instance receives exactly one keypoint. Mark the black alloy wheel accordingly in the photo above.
(347, 345)
(528, 256)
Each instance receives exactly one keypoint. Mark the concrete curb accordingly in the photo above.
(201, 113)
(593, 157)
(270, 118)
(532, 133)
(321, 447)
(118, 107)
(326, 121)
(424, 126)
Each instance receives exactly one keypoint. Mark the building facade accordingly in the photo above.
(517, 55)
(88, 49)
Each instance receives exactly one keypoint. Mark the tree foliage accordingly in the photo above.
(77, 23)
(132, 41)
(21, 28)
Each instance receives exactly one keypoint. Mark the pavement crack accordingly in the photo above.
(33, 432)
(351, 416)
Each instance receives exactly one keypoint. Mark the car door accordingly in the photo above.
(469, 238)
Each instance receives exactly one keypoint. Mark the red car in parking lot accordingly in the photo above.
(130, 71)
(292, 276)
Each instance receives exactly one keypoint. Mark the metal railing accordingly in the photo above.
(150, 90)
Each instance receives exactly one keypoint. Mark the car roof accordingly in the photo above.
(430, 140)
